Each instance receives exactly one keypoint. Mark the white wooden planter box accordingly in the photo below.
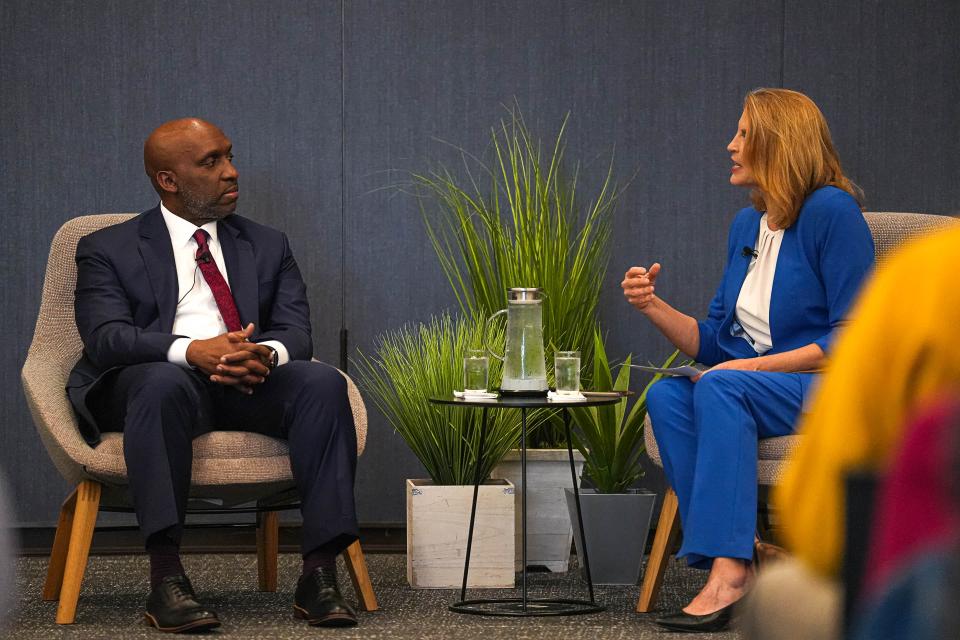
(438, 518)
(549, 532)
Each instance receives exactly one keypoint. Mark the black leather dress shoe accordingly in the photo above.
(172, 607)
(689, 623)
(318, 601)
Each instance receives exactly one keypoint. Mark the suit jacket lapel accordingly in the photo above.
(242, 272)
(157, 254)
(738, 270)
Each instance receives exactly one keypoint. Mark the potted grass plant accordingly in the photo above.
(519, 218)
(407, 367)
(616, 516)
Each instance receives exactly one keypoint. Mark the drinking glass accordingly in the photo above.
(476, 370)
(566, 369)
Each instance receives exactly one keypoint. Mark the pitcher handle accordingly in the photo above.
(486, 332)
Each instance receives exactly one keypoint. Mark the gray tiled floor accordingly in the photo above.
(115, 587)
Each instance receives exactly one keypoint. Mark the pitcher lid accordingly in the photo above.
(524, 294)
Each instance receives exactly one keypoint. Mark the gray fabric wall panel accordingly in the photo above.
(662, 82)
(886, 75)
(85, 82)
(694, 67)
(659, 82)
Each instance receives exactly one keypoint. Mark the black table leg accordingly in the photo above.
(523, 504)
(523, 606)
(576, 496)
(473, 507)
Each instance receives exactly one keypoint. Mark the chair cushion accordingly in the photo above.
(770, 453)
(216, 444)
(219, 458)
(770, 449)
(777, 448)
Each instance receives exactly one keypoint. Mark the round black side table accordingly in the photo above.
(525, 606)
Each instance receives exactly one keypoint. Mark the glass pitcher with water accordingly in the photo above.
(524, 368)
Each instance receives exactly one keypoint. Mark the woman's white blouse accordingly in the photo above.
(753, 304)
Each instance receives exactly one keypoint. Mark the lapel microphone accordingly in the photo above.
(747, 252)
(204, 257)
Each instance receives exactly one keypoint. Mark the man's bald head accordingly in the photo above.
(169, 142)
(190, 165)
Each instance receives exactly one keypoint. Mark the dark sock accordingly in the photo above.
(164, 557)
(325, 555)
(319, 559)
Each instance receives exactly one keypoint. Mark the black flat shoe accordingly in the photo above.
(318, 601)
(689, 623)
(172, 607)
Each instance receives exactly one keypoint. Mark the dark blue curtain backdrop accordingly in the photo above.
(330, 103)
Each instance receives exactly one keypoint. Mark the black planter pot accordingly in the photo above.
(616, 527)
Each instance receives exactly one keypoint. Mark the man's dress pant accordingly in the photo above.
(161, 407)
(707, 433)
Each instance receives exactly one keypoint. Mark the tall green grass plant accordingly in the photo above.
(519, 223)
(417, 362)
(517, 219)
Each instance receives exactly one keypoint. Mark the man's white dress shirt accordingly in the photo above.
(197, 313)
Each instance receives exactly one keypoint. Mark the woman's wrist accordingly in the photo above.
(651, 307)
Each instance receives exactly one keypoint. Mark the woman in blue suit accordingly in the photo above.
(795, 260)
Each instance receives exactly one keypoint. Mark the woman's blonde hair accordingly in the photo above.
(790, 152)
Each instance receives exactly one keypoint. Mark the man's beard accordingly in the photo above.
(199, 209)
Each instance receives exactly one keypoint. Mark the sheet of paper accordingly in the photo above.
(688, 370)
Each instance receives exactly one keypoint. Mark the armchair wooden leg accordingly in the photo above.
(268, 540)
(357, 567)
(663, 540)
(86, 501)
(58, 554)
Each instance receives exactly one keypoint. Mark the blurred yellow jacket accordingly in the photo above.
(900, 348)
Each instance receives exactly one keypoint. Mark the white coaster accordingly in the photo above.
(565, 397)
(482, 395)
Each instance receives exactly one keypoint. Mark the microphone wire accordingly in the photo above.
(192, 285)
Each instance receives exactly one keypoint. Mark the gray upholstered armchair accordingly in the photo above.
(889, 230)
(230, 467)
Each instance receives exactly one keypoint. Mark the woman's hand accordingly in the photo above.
(742, 364)
(806, 359)
(638, 285)
(679, 328)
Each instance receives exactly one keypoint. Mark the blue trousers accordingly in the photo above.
(707, 433)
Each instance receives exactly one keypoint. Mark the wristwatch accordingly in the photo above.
(274, 358)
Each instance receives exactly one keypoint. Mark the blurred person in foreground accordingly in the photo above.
(795, 261)
(898, 353)
(911, 579)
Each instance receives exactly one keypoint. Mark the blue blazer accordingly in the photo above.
(126, 297)
(824, 257)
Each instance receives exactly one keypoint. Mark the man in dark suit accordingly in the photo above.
(193, 318)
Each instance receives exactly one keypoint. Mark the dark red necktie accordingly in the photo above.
(219, 287)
